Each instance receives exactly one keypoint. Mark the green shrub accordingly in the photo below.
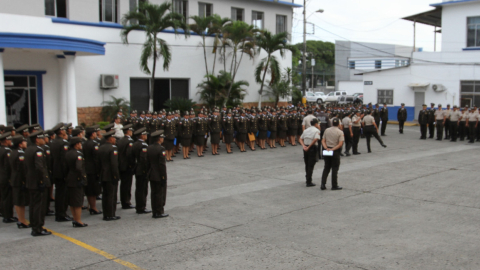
(181, 104)
(102, 124)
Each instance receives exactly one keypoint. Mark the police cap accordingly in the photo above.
(109, 134)
(37, 134)
(108, 127)
(335, 122)
(57, 127)
(141, 131)
(76, 131)
(75, 140)
(128, 127)
(158, 133)
(6, 136)
(23, 128)
(18, 139)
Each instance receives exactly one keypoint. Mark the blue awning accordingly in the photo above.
(451, 2)
(50, 42)
(283, 3)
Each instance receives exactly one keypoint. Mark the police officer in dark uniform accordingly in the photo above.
(431, 121)
(126, 162)
(401, 117)
(384, 117)
(157, 174)
(215, 127)
(59, 148)
(92, 169)
(5, 181)
(110, 175)
(19, 180)
(37, 183)
(141, 169)
(171, 131)
(423, 121)
(376, 114)
(228, 129)
(76, 180)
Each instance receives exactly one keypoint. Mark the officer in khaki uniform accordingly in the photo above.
(333, 139)
(446, 126)
(454, 118)
(439, 121)
(157, 174)
(472, 123)
(37, 183)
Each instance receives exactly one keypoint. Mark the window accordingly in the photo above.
(108, 11)
(135, 3)
(470, 93)
(181, 7)
(238, 14)
(397, 63)
(281, 24)
(337, 93)
(378, 64)
(351, 64)
(331, 94)
(473, 32)
(56, 8)
(385, 96)
(205, 10)
(257, 19)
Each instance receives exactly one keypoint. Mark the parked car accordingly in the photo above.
(349, 100)
(333, 96)
(317, 97)
(358, 98)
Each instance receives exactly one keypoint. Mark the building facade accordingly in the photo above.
(352, 58)
(53, 54)
(451, 76)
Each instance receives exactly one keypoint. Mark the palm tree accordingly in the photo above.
(282, 88)
(218, 28)
(202, 27)
(111, 108)
(270, 43)
(153, 19)
(214, 91)
(240, 36)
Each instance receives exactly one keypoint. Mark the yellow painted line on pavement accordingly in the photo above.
(98, 251)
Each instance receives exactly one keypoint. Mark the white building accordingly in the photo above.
(352, 58)
(53, 53)
(451, 76)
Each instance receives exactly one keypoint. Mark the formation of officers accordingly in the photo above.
(79, 162)
(455, 123)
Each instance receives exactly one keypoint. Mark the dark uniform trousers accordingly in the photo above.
(472, 131)
(356, 138)
(369, 132)
(439, 129)
(159, 196)
(37, 211)
(431, 129)
(109, 198)
(401, 124)
(6, 200)
(384, 125)
(348, 140)
(447, 129)
(141, 192)
(453, 130)
(331, 163)
(423, 131)
(126, 178)
(61, 201)
(462, 130)
(310, 159)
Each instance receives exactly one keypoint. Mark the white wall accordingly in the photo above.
(84, 10)
(351, 87)
(23, 7)
(454, 25)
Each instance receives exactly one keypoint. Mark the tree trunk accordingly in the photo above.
(233, 68)
(263, 81)
(205, 56)
(152, 83)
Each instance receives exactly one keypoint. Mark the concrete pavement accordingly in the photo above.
(412, 205)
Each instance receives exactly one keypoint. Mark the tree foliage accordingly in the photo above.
(214, 90)
(111, 108)
(181, 104)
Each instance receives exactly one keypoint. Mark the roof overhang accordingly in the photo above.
(50, 42)
(380, 70)
(432, 17)
(286, 3)
(451, 3)
(418, 86)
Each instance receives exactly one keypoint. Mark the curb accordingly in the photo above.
(407, 124)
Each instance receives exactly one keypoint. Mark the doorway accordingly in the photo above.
(21, 100)
(419, 101)
(164, 90)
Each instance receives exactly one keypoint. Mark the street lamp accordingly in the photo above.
(304, 68)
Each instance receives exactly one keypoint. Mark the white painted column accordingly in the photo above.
(62, 89)
(3, 105)
(71, 89)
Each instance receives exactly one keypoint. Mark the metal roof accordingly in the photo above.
(444, 3)
(292, 4)
(432, 17)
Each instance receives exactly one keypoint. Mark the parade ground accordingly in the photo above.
(412, 205)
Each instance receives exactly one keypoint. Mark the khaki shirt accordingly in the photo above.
(439, 114)
(455, 115)
(472, 117)
(347, 122)
(368, 120)
(307, 120)
(464, 116)
(309, 135)
(333, 136)
(354, 119)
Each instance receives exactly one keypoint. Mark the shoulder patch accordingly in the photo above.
(8, 154)
(144, 150)
(130, 144)
(115, 152)
(80, 158)
(65, 147)
(21, 158)
(96, 147)
(163, 153)
(39, 154)
(48, 152)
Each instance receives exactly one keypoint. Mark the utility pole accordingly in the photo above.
(304, 58)
(312, 62)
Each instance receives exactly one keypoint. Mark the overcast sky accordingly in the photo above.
(377, 21)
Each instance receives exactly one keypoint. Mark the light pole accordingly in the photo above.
(304, 58)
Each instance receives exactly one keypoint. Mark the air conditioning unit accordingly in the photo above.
(438, 87)
(108, 81)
